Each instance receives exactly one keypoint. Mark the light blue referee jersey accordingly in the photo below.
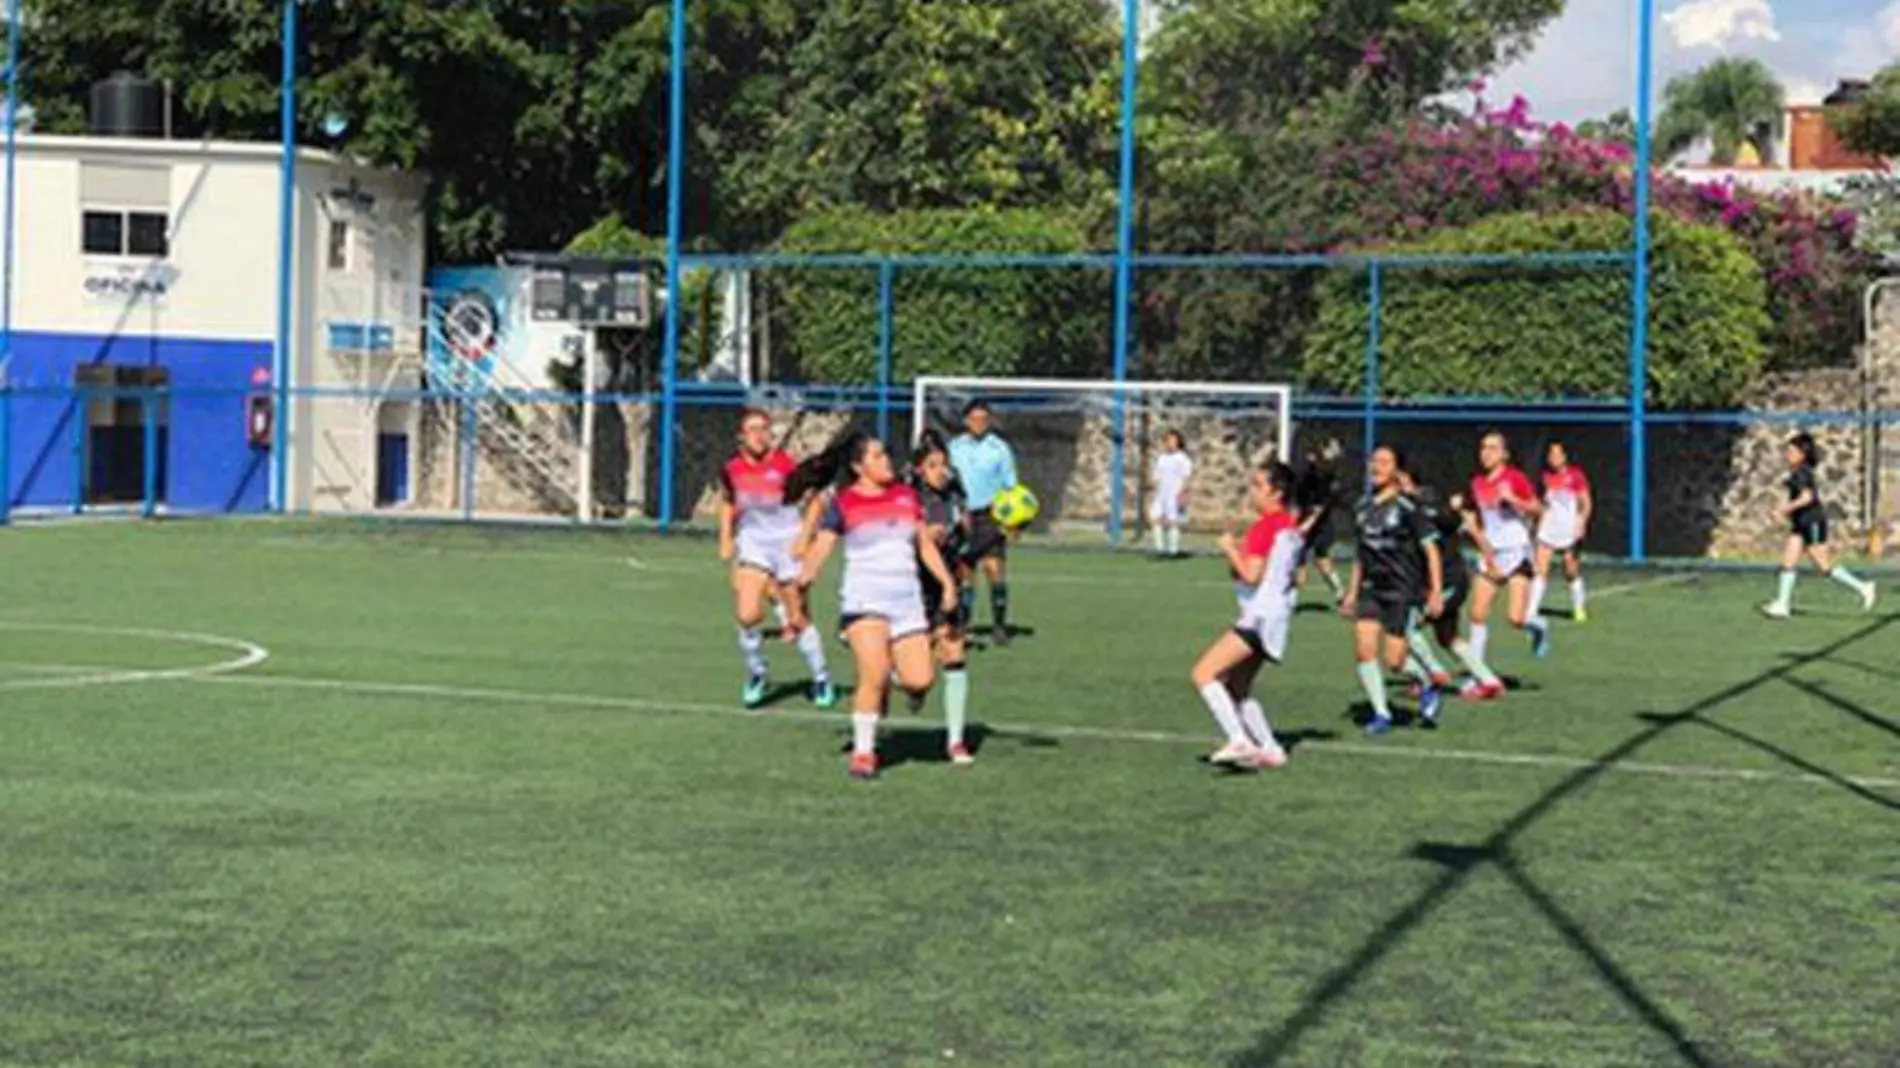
(986, 465)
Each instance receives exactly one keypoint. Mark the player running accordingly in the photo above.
(1399, 572)
(1263, 565)
(1507, 505)
(944, 526)
(758, 526)
(881, 523)
(1807, 517)
(986, 466)
(1316, 498)
(1449, 518)
(1168, 510)
(1567, 508)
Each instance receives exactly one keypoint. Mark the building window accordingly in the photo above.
(126, 233)
(339, 245)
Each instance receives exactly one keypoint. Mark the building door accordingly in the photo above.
(128, 425)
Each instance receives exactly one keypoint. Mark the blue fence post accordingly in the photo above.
(6, 453)
(81, 420)
(1639, 289)
(886, 326)
(13, 171)
(148, 401)
(286, 239)
(675, 230)
(1375, 338)
(1124, 262)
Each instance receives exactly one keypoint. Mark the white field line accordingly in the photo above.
(1106, 734)
(249, 655)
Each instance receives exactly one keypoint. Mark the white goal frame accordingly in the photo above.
(1282, 395)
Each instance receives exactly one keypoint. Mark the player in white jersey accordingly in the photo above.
(881, 523)
(1168, 510)
(758, 526)
(1567, 507)
(1263, 564)
(1506, 506)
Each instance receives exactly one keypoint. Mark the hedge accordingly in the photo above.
(1558, 332)
(947, 320)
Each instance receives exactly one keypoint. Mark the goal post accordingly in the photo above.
(1070, 436)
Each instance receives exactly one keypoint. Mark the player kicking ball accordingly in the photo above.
(1398, 573)
(1807, 517)
(1263, 564)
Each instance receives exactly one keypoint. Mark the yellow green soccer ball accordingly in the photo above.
(1015, 507)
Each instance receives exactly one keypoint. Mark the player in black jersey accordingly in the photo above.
(1807, 518)
(1399, 573)
(1452, 519)
(1316, 499)
(946, 521)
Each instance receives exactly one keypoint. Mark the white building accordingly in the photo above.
(150, 267)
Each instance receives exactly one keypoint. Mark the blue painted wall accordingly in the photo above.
(210, 465)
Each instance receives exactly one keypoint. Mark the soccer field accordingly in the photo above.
(300, 793)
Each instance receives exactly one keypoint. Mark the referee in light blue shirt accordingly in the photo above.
(987, 467)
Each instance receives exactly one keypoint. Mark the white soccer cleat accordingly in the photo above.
(1233, 753)
(1775, 611)
(1271, 756)
(1869, 596)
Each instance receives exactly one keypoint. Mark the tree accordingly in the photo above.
(1730, 103)
(1871, 125)
(1616, 128)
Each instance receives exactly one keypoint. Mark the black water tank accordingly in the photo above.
(126, 105)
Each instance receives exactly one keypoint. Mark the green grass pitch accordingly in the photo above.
(489, 801)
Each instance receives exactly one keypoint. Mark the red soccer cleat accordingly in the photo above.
(864, 766)
(1482, 691)
(961, 756)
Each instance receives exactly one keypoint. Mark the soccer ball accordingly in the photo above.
(1015, 507)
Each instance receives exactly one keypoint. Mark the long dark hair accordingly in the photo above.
(928, 443)
(829, 466)
(1809, 448)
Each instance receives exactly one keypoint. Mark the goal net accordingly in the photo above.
(1069, 435)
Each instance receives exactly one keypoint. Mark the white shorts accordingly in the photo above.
(1513, 562)
(772, 555)
(905, 614)
(1559, 536)
(1166, 508)
(1267, 634)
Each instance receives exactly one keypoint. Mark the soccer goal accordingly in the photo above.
(1071, 436)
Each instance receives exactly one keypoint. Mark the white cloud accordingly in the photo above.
(1888, 23)
(1721, 24)
(1802, 91)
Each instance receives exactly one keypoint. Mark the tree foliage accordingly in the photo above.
(1731, 103)
(1552, 332)
(1871, 125)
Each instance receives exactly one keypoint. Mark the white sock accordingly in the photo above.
(1372, 680)
(1784, 596)
(1576, 594)
(863, 732)
(1480, 641)
(812, 646)
(1174, 541)
(1539, 586)
(752, 647)
(1215, 696)
(1420, 648)
(1474, 663)
(1161, 538)
(956, 699)
(1332, 581)
(1846, 578)
(1254, 718)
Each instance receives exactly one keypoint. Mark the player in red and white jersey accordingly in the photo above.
(1506, 505)
(1567, 507)
(880, 522)
(758, 526)
(1264, 564)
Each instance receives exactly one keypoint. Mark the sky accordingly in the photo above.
(1584, 64)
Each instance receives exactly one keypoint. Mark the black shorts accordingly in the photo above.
(1812, 531)
(1320, 544)
(933, 605)
(1252, 638)
(987, 539)
(1394, 613)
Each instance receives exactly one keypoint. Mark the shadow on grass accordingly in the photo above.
(1459, 861)
(1860, 712)
(1799, 763)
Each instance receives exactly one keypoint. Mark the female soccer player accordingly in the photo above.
(1808, 536)
(1398, 572)
(1447, 516)
(1567, 508)
(1316, 498)
(1506, 506)
(1168, 510)
(881, 523)
(944, 514)
(758, 524)
(1263, 565)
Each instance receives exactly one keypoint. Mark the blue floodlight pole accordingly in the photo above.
(1639, 288)
(286, 266)
(675, 227)
(1124, 260)
(886, 341)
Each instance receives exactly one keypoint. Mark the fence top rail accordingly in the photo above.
(925, 383)
(1188, 261)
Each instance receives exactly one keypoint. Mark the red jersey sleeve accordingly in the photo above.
(1261, 536)
(1521, 486)
(1578, 480)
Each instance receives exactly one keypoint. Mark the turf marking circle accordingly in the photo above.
(246, 655)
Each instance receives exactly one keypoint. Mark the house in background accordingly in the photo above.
(1809, 155)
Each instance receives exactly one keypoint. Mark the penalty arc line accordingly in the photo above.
(1104, 734)
(249, 655)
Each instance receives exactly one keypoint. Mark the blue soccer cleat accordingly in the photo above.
(1379, 726)
(1540, 639)
(754, 694)
(824, 694)
(1430, 700)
